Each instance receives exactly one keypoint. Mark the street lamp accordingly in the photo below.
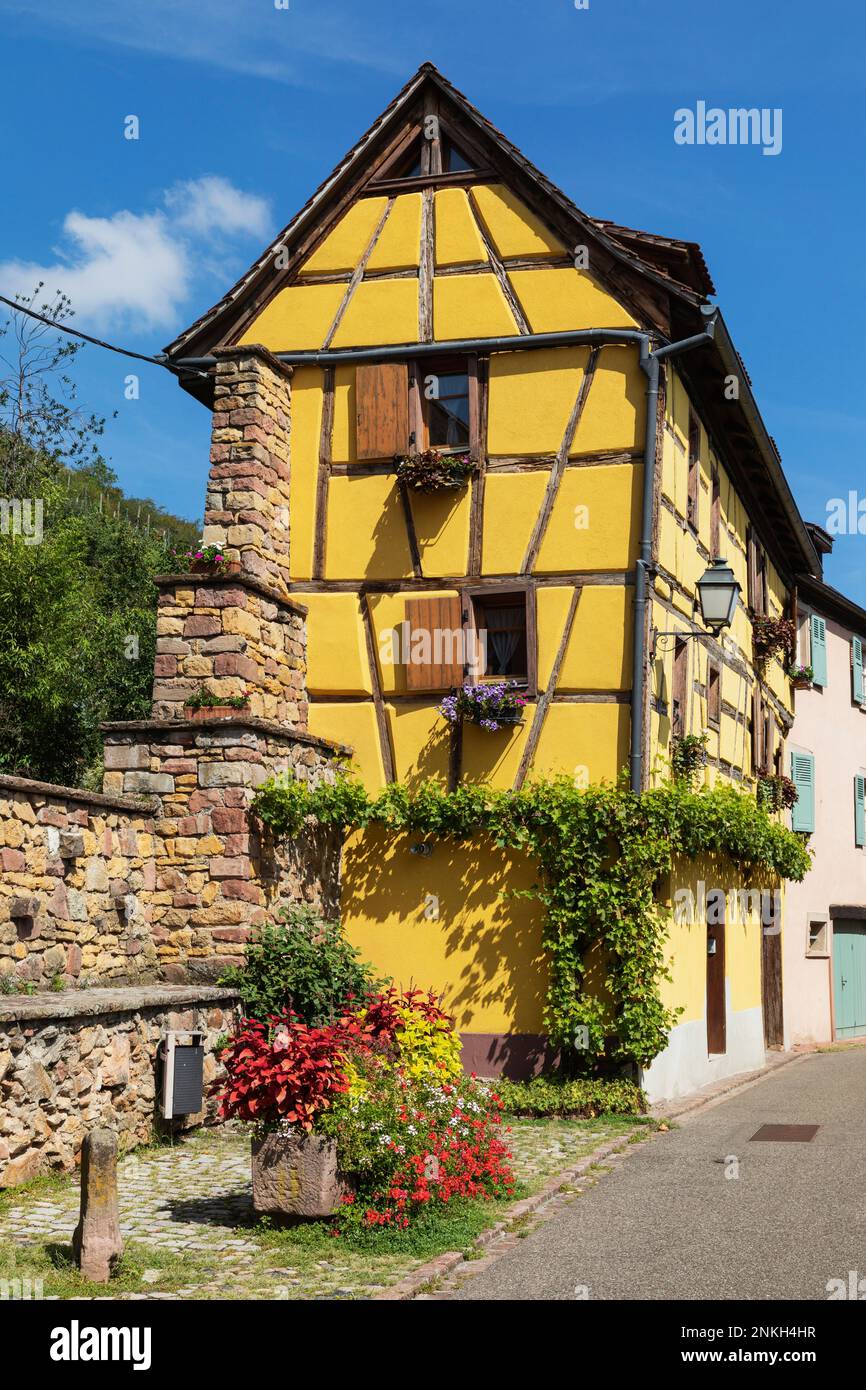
(718, 592)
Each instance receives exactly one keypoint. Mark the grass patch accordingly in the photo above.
(451, 1227)
(51, 1265)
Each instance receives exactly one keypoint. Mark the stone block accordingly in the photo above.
(96, 1244)
(297, 1175)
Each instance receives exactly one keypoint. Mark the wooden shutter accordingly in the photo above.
(694, 470)
(382, 410)
(857, 669)
(679, 690)
(435, 643)
(860, 810)
(767, 731)
(803, 776)
(714, 693)
(818, 634)
(752, 571)
(757, 729)
(715, 517)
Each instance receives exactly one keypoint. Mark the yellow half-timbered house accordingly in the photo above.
(437, 292)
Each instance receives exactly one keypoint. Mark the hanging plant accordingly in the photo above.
(802, 676)
(688, 755)
(776, 792)
(772, 635)
(430, 471)
(492, 706)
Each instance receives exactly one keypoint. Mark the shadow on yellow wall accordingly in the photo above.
(445, 921)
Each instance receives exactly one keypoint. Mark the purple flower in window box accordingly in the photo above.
(492, 705)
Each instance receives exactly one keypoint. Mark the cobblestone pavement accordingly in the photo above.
(193, 1201)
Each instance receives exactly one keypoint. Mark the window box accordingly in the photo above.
(432, 471)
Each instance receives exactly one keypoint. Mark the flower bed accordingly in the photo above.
(208, 559)
(383, 1083)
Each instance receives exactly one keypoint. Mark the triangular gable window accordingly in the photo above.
(454, 161)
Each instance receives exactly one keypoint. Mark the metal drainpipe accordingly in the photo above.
(650, 363)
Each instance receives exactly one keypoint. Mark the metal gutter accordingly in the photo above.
(517, 342)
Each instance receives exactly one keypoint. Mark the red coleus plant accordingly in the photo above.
(284, 1070)
(382, 1018)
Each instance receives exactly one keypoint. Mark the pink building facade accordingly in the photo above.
(824, 936)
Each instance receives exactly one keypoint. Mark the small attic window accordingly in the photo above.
(453, 161)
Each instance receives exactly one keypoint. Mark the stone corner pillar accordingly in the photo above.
(247, 505)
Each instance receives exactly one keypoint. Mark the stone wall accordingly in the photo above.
(70, 1063)
(217, 874)
(231, 635)
(78, 877)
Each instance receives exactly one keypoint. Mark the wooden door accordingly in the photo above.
(771, 987)
(849, 978)
(716, 1025)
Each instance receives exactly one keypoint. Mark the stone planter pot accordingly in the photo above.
(297, 1175)
(217, 712)
(204, 567)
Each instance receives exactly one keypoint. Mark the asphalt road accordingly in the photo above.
(666, 1222)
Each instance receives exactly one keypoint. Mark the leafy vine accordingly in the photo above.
(602, 853)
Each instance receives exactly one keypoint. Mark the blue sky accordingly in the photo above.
(244, 108)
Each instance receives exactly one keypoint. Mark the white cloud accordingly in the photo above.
(212, 204)
(137, 270)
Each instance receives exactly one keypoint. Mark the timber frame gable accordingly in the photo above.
(641, 280)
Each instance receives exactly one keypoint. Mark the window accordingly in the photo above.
(714, 693)
(816, 937)
(501, 625)
(694, 470)
(453, 160)
(445, 405)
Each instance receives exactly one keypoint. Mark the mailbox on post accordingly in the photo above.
(182, 1074)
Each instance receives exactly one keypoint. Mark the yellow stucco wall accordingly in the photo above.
(482, 950)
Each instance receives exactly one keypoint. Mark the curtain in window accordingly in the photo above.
(504, 627)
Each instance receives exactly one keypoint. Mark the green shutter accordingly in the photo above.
(860, 810)
(803, 775)
(857, 669)
(819, 650)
